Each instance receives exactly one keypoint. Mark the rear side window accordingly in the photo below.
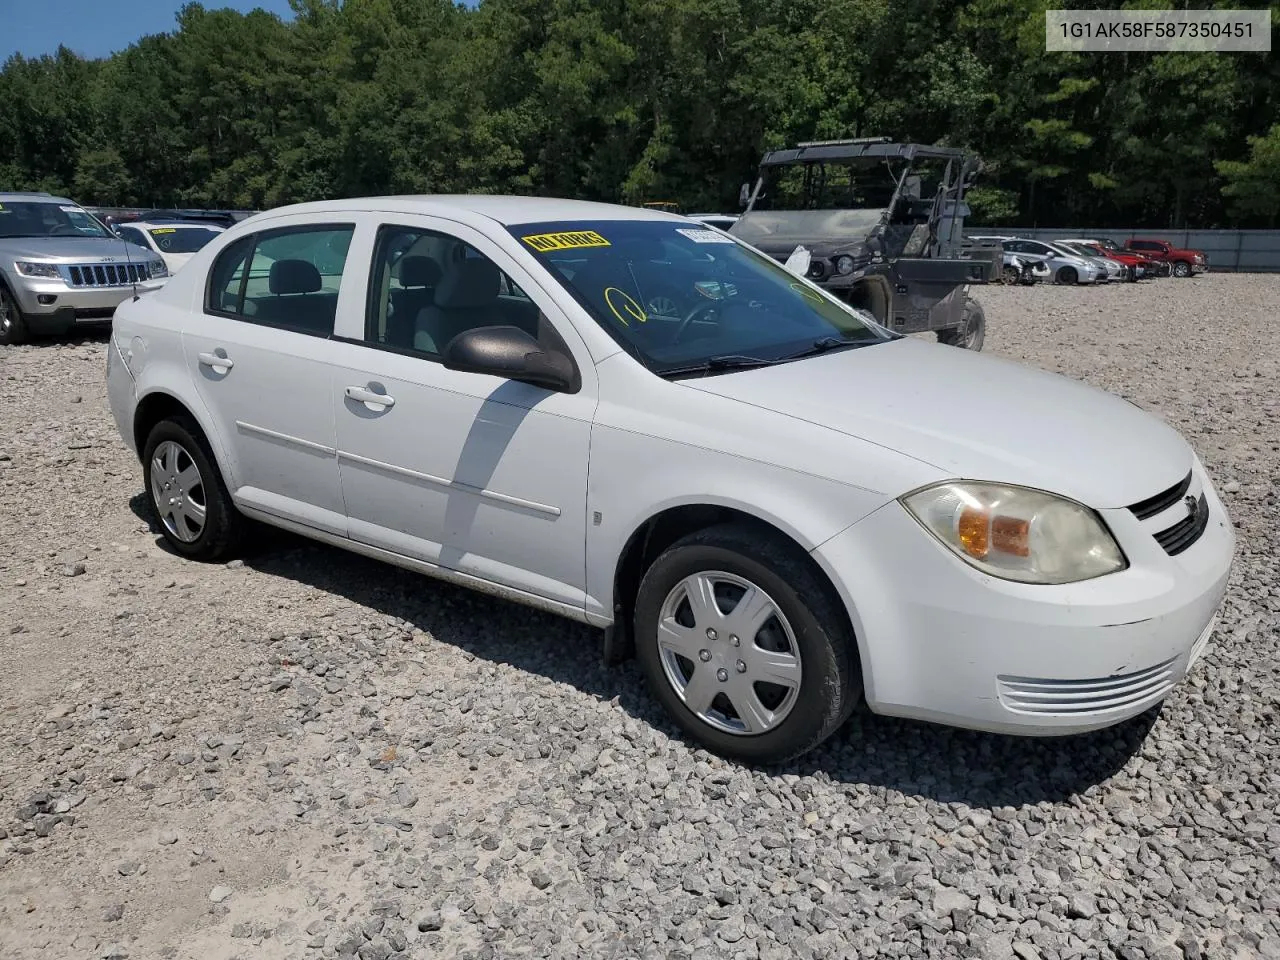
(287, 278)
(133, 235)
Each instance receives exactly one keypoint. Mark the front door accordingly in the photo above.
(474, 473)
(261, 356)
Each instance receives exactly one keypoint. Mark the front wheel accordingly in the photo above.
(1182, 269)
(973, 334)
(197, 516)
(744, 644)
(13, 329)
(1068, 275)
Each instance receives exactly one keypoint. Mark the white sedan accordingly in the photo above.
(779, 506)
(174, 240)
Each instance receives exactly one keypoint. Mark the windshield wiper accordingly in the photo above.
(729, 361)
(824, 344)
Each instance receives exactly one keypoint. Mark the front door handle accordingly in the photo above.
(219, 361)
(366, 396)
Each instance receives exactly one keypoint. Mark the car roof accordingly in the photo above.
(507, 210)
(20, 196)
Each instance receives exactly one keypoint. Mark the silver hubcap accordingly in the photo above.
(729, 653)
(178, 491)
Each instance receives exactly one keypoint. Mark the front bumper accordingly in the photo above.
(65, 306)
(1199, 268)
(941, 641)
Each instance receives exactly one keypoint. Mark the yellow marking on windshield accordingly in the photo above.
(164, 230)
(811, 295)
(547, 242)
(621, 302)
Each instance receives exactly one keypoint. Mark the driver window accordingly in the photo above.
(427, 287)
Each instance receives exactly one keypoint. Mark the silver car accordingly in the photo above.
(1064, 266)
(1115, 269)
(60, 267)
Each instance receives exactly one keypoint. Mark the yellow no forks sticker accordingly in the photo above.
(547, 242)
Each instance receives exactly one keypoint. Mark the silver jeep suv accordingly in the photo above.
(59, 267)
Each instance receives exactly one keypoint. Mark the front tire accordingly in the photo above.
(744, 644)
(1182, 269)
(1068, 275)
(195, 510)
(13, 327)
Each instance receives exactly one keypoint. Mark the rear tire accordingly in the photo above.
(191, 501)
(973, 334)
(13, 327)
(1068, 275)
(708, 683)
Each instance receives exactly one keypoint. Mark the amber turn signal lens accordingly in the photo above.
(973, 529)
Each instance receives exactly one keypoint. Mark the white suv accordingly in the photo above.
(631, 419)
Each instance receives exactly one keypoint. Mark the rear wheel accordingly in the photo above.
(973, 334)
(1068, 275)
(744, 645)
(1182, 269)
(13, 328)
(195, 510)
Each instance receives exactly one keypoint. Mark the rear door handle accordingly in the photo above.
(367, 396)
(220, 362)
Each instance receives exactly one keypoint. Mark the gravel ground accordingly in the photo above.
(307, 754)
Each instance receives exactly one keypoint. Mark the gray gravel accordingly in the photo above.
(312, 755)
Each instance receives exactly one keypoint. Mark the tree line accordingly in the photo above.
(640, 100)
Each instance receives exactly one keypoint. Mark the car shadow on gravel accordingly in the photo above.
(919, 759)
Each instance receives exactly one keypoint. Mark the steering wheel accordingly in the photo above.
(63, 230)
(702, 309)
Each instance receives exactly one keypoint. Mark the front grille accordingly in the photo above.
(107, 274)
(1186, 531)
(1045, 696)
(1161, 501)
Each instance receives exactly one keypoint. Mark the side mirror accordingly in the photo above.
(510, 352)
(744, 195)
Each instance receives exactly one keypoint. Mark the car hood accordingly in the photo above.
(71, 249)
(974, 416)
(174, 260)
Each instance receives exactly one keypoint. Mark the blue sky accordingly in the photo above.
(95, 28)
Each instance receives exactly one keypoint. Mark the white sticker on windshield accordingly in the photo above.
(703, 236)
(70, 209)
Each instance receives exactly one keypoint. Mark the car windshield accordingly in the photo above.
(181, 239)
(46, 218)
(684, 298)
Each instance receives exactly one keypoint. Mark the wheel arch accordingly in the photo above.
(159, 404)
(873, 294)
(672, 522)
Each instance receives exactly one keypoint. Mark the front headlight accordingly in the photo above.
(29, 269)
(1017, 533)
(844, 265)
(158, 268)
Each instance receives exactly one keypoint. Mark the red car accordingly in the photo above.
(1183, 262)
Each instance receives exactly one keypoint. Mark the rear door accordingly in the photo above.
(261, 354)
